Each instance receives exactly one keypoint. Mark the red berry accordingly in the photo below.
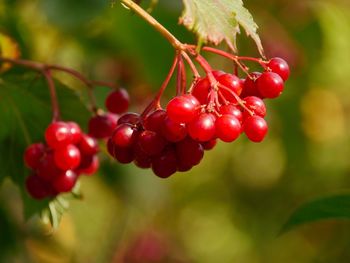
(231, 110)
(228, 128)
(58, 134)
(89, 165)
(270, 85)
(88, 145)
(102, 126)
(201, 90)
(67, 157)
(255, 128)
(233, 83)
(65, 181)
(189, 153)
(279, 66)
(130, 118)
(37, 187)
(154, 121)
(33, 155)
(123, 155)
(193, 99)
(124, 135)
(117, 101)
(47, 168)
(181, 109)
(75, 132)
(173, 131)
(142, 160)
(256, 105)
(202, 128)
(250, 86)
(209, 145)
(165, 164)
(151, 142)
(111, 147)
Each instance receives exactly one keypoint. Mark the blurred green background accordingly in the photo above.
(232, 206)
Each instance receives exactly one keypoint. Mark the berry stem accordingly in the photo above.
(155, 103)
(153, 22)
(181, 77)
(53, 95)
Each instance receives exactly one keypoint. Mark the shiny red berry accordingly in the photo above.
(88, 145)
(165, 164)
(37, 187)
(181, 109)
(130, 118)
(255, 127)
(255, 105)
(75, 132)
(279, 66)
(65, 181)
(173, 131)
(151, 142)
(67, 157)
(58, 134)
(102, 126)
(154, 121)
(228, 128)
(189, 152)
(270, 85)
(47, 168)
(117, 101)
(250, 87)
(33, 155)
(202, 128)
(124, 135)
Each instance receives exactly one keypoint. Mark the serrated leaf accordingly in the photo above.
(25, 111)
(216, 21)
(332, 207)
(9, 49)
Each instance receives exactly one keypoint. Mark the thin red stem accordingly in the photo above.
(53, 95)
(155, 103)
(192, 66)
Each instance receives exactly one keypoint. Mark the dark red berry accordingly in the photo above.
(37, 187)
(124, 135)
(151, 142)
(154, 121)
(202, 128)
(88, 145)
(228, 128)
(256, 105)
(111, 147)
(102, 126)
(270, 85)
(33, 155)
(201, 90)
(255, 128)
(165, 164)
(173, 131)
(47, 168)
(181, 109)
(279, 66)
(65, 181)
(58, 134)
(67, 157)
(130, 118)
(189, 152)
(117, 101)
(142, 160)
(124, 155)
(209, 145)
(75, 132)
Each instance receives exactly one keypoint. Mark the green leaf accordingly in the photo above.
(332, 207)
(25, 111)
(216, 21)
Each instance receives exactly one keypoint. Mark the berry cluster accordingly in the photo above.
(56, 165)
(218, 106)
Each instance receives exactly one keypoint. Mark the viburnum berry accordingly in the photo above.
(65, 181)
(58, 134)
(270, 85)
(202, 128)
(37, 187)
(47, 168)
(233, 83)
(250, 87)
(33, 155)
(255, 127)
(117, 101)
(279, 66)
(182, 109)
(123, 155)
(67, 157)
(189, 152)
(165, 164)
(89, 165)
(124, 135)
(209, 145)
(255, 105)
(228, 128)
(75, 131)
(130, 118)
(151, 142)
(232, 109)
(102, 125)
(173, 131)
(154, 121)
(88, 145)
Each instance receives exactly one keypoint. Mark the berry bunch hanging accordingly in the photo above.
(218, 106)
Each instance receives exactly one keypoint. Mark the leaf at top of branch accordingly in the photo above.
(219, 20)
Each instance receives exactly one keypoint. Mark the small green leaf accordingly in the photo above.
(217, 21)
(332, 207)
